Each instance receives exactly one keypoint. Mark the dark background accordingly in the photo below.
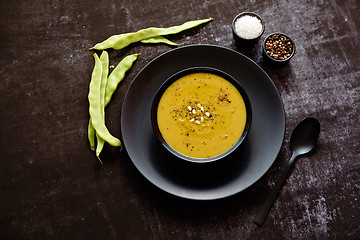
(53, 187)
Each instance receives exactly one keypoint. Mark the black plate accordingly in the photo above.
(198, 181)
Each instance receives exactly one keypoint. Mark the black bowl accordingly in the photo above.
(185, 72)
(236, 35)
(267, 53)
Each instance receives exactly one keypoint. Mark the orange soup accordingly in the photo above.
(201, 115)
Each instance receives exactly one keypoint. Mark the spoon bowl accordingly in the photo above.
(305, 135)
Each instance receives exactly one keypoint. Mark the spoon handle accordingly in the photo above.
(260, 218)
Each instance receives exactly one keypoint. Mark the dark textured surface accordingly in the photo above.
(51, 185)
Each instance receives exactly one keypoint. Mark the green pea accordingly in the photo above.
(120, 41)
(95, 111)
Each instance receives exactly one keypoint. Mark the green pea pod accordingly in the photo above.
(95, 105)
(91, 135)
(120, 41)
(155, 40)
(117, 75)
(159, 39)
(104, 59)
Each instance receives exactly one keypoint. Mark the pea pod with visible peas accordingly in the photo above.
(120, 41)
(115, 77)
(95, 111)
(155, 40)
(159, 39)
(104, 59)
(118, 74)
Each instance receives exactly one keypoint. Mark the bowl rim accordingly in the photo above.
(188, 71)
(244, 14)
(279, 60)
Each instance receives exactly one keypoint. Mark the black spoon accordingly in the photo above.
(302, 140)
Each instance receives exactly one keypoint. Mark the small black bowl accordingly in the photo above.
(237, 36)
(269, 53)
(185, 72)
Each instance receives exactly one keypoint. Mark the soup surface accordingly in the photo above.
(201, 115)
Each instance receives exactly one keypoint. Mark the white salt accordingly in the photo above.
(248, 27)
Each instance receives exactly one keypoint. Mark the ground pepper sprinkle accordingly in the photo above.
(278, 47)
